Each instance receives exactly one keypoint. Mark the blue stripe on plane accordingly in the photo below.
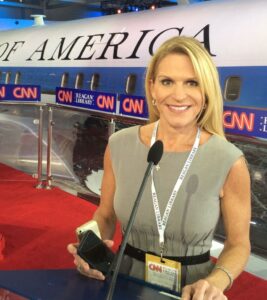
(253, 78)
(253, 85)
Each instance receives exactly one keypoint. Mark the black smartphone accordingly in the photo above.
(95, 252)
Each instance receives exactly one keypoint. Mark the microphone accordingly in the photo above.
(153, 158)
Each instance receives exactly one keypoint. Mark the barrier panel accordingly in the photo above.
(66, 139)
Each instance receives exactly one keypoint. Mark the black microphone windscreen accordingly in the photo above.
(155, 152)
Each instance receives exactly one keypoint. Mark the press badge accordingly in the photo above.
(166, 273)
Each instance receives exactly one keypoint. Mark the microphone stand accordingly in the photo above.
(127, 232)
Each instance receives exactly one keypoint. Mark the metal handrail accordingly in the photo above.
(49, 148)
(40, 149)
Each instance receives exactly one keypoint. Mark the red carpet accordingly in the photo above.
(248, 287)
(38, 224)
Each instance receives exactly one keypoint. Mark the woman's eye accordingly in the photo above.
(166, 82)
(192, 83)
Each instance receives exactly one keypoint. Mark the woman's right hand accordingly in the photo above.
(82, 266)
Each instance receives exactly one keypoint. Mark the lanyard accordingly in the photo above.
(162, 222)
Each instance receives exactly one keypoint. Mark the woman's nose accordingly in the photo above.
(179, 92)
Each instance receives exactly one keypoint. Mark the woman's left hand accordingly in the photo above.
(202, 290)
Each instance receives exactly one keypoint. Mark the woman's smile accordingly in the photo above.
(178, 108)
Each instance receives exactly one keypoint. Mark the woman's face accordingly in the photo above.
(177, 92)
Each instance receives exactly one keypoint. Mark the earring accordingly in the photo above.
(153, 102)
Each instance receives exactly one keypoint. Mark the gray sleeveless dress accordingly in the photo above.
(196, 210)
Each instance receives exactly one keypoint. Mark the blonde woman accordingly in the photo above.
(200, 177)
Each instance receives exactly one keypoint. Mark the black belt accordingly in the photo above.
(184, 260)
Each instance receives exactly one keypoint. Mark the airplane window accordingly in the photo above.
(232, 88)
(131, 84)
(17, 78)
(8, 77)
(64, 80)
(79, 81)
(95, 82)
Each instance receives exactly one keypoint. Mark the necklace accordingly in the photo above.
(157, 167)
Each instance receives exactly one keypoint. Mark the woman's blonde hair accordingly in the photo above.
(211, 118)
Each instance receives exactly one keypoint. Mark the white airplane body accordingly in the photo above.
(125, 40)
(233, 31)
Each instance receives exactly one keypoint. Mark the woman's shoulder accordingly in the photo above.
(125, 134)
(221, 144)
(142, 132)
